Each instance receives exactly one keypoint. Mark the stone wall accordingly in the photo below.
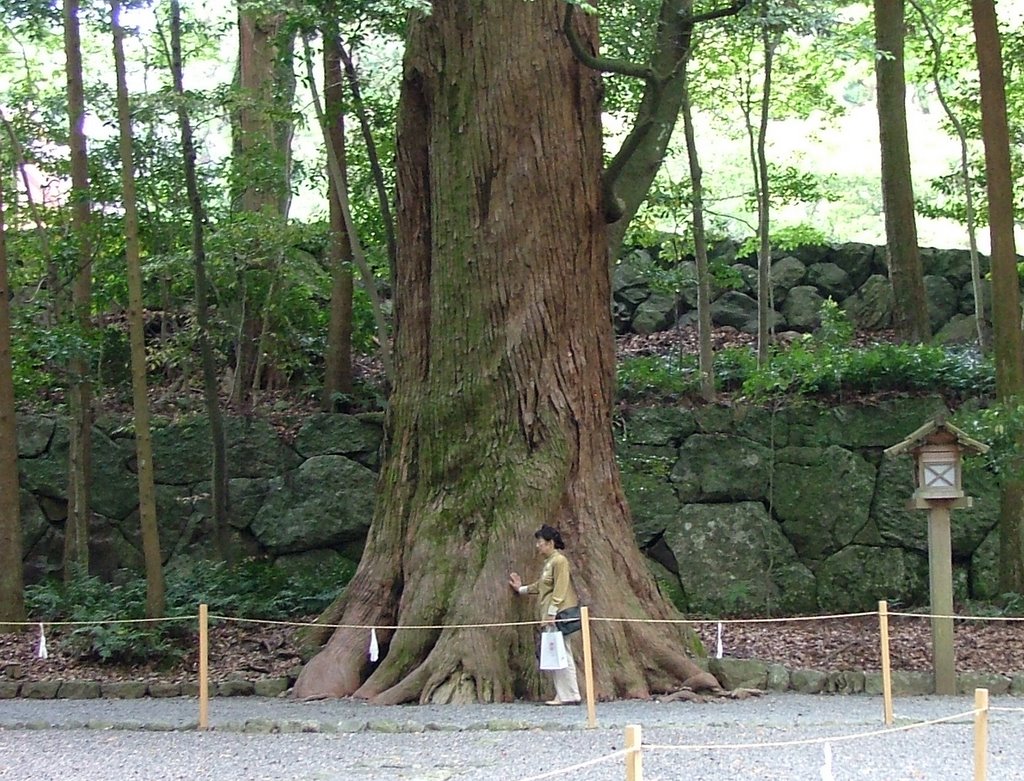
(740, 509)
(854, 275)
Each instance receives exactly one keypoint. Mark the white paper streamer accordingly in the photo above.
(42, 653)
(374, 648)
(718, 647)
(826, 769)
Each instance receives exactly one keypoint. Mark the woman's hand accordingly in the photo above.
(514, 581)
(548, 621)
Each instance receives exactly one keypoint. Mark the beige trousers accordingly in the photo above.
(566, 687)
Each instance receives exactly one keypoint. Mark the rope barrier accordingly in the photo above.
(581, 766)
(732, 620)
(103, 622)
(1007, 710)
(373, 626)
(493, 625)
(812, 741)
(1008, 619)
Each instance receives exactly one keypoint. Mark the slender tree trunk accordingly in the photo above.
(53, 312)
(76, 528)
(263, 161)
(12, 587)
(338, 359)
(970, 214)
(700, 250)
(765, 296)
(904, 255)
(336, 173)
(219, 489)
(383, 199)
(155, 602)
(1006, 313)
(500, 417)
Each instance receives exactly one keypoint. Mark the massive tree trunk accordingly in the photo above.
(12, 591)
(76, 528)
(338, 359)
(904, 256)
(500, 418)
(1006, 314)
(155, 601)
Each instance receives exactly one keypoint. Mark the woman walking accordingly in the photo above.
(555, 592)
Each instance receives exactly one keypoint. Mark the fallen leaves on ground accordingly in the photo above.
(249, 651)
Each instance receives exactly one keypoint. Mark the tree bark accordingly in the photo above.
(12, 586)
(904, 256)
(970, 213)
(155, 601)
(263, 161)
(338, 359)
(1006, 314)
(219, 476)
(500, 418)
(76, 527)
(336, 174)
(706, 359)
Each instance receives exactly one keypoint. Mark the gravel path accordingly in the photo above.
(259, 739)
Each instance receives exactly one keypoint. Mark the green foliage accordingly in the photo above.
(822, 364)
(657, 376)
(837, 328)
(1001, 426)
(785, 238)
(252, 589)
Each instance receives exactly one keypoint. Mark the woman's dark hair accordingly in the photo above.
(551, 534)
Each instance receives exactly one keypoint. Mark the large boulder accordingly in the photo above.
(657, 426)
(735, 309)
(908, 529)
(332, 434)
(856, 577)
(327, 501)
(874, 425)
(830, 280)
(787, 273)
(871, 306)
(859, 261)
(733, 559)
(951, 264)
(182, 450)
(656, 313)
(34, 434)
(802, 308)
(818, 497)
(114, 490)
(721, 468)
(943, 300)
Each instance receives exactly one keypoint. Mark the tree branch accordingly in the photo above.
(614, 208)
(730, 10)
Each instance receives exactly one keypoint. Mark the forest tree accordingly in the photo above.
(500, 417)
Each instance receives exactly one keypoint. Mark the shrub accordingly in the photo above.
(251, 589)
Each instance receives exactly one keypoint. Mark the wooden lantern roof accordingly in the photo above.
(937, 431)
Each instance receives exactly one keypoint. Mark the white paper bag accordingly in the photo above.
(553, 655)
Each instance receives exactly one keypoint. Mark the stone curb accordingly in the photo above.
(732, 673)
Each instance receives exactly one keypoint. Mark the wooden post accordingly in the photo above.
(883, 630)
(634, 759)
(204, 654)
(980, 734)
(940, 578)
(588, 667)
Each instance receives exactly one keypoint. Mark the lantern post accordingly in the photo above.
(938, 448)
